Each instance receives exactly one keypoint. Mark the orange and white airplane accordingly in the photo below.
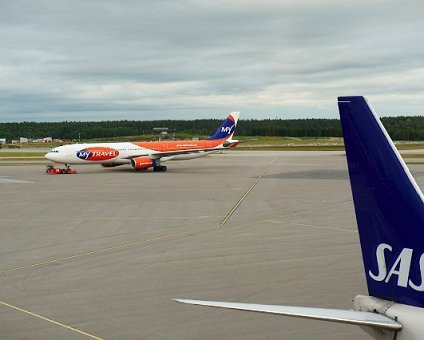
(144, 155)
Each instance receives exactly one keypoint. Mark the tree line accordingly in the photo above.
(399, 128)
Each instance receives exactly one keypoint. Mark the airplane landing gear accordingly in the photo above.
(159, 168)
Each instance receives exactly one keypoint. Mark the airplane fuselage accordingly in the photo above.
(122, 153)
(409, 317)
(145, 155)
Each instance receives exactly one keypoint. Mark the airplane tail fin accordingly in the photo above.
(388, 205)
(227, 128)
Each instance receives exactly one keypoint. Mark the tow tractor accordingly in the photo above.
(51, 170)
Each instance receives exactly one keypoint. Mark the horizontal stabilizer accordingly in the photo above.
(333, 315)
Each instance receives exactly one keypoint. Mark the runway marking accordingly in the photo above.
(137, 243)
(17, 158)
(120, 246)
(312, 226)
(50, 320)
(4, 179)
(112, 218)
(240, 201)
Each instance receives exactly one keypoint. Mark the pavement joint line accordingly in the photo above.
(112, 218)
(104, 250)
(312, 226)
(240, 201)
(133, 244)
(50, 320)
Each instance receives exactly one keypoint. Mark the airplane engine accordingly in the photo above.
(139, 163)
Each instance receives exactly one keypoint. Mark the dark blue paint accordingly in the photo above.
(226, 129)
(387, 205)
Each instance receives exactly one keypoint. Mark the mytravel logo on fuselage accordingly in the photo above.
(97, 153)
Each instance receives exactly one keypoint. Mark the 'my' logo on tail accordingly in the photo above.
(401, 268)
(227, 129)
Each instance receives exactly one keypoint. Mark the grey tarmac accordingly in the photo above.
(102, 253)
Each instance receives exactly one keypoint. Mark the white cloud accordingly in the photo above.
(184, 59)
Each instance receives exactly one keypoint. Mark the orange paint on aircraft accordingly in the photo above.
(165, 146)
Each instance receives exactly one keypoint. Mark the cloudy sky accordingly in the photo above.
(159, 59)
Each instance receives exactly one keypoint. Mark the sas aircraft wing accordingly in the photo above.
(333, 315)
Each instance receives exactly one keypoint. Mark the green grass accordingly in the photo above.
(291, 148)
(273, 143)
(412, 155)
(290, 143)
(409, 146)
(289, 140)
(7, 159)
(254, 143)
(17, 154)
(19, 163)
(309, 144)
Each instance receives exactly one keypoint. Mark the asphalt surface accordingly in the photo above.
(102, 253)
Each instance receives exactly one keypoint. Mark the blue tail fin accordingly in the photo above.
(227, 128)
(388, 205)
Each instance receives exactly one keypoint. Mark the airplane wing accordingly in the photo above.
(333, 315)
(159, 154)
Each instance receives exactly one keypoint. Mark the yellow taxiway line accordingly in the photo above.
(311, 226)
(137, 243)
(51, 321)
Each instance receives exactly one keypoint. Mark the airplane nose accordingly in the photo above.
(50, 156)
